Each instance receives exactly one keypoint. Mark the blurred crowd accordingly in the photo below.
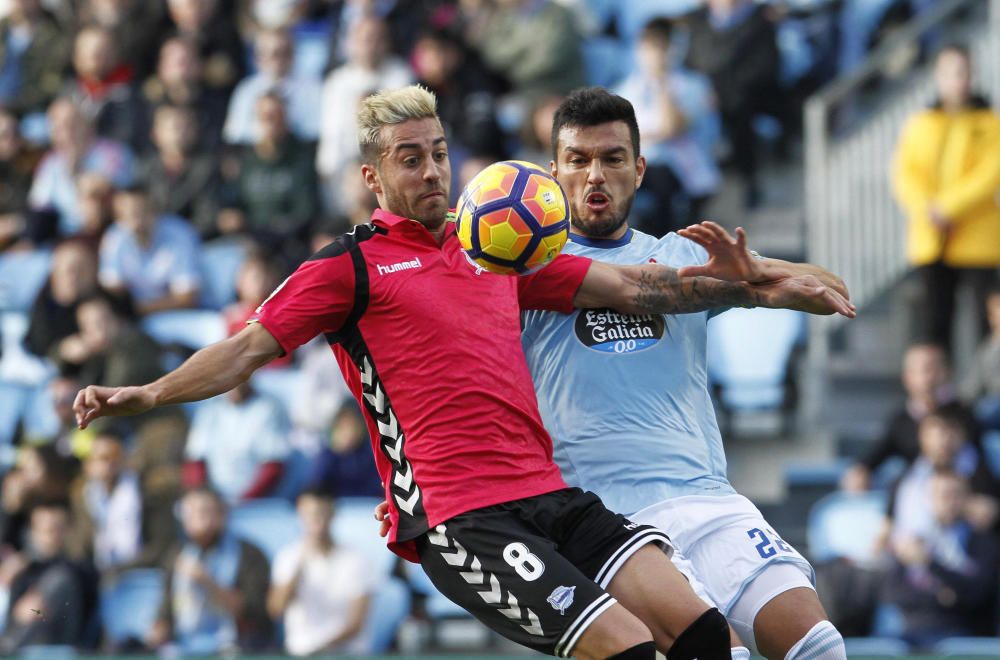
(140, 140)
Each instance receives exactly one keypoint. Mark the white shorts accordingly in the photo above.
(731, 555)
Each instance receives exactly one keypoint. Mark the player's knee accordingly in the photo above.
(644, 651)
(705, 639)
(615, 632)
(822, 642)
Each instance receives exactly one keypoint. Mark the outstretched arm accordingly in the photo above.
(212, 370)
(729, 259)
(657, 289)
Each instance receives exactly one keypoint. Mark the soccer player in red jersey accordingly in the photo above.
(431, 349)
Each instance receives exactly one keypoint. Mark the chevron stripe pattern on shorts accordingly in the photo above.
(485, 583)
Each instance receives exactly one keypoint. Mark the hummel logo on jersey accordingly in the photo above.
(632, 525)
(402, 265)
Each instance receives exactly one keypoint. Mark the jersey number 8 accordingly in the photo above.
(527, 565)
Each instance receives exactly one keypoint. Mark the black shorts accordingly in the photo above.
(534, 570)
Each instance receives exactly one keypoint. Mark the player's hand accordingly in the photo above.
(96, 401)
(805, 293)
(728, 257)
(382, 515)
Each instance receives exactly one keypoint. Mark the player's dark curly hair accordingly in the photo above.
(592, 106)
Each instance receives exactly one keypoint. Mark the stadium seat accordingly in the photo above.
(17, 364)
(437, 605)
(606, 61)
(875, 647)
(193, 328)
(220, 264)
(130, 603)
(991, 447)
(354, 527)
(268, 523)
(13, 401)
(389, 606)
(284, 384)
(846, 525)
(22, 275)
(47, 652)
(298, 467)
(968, 647)
(748, 355)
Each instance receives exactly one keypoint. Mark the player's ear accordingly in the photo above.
(371, 179)
(640, 170)
(553, 169)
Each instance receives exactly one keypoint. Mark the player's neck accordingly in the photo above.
(613, 236)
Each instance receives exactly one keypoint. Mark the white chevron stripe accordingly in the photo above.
(534, 626)
(377, 400)
(475, 574)
(404, 477)
(437, 537)
(410, 502)
(396, 452)
(494, 595)
(390, 430)
(366, 372)
(456, 557)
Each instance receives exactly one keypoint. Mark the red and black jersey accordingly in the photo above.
(431, 348)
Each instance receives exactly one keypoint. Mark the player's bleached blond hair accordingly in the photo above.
(387, 108)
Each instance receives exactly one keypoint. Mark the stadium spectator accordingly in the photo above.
(533, 43)
(320, 590)
(73, 277)
(212, 31)
(734, 43)
(926, 380)
(981, 385)
(345, 467)
(17, 164)
(322, 394)
(107, 347)
(945, 581)
(69, 439)
(467, 93)
(179, 81)
(273, 49)
(369, 67)
(215, 593)
(107, 505)
(103, 88)
(274, 195)
(152, 257)
(354, 206)
(33, 56)
(133, 24)
(944, 445)
(679, 127)
(256, 279)
(51, 597)
(946, 174)
(536, 135)
(238, 444)
(75, 150)
(182, 177)
(42, 475)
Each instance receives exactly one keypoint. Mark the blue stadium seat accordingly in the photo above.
(17, 364)
(47, 652)
(220, 264)
(284, 384)
(886, 647)
(354, 527)
(22, 275)
(130, 603)
(298, 467)
(193, 328)
(991, 447)
(846, 525)
(606, 60)
(749, 352)
(968, 647)
(390, 605)
(816, 474)
(13, 402)
(268, 523)
(438, 606)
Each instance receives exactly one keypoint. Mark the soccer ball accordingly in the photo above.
(513, 217)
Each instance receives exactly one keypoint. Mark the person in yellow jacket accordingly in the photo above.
(946, 176)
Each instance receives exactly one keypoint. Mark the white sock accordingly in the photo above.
(822, 642)
(740, 653)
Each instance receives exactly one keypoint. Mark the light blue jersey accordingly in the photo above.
(625, 398)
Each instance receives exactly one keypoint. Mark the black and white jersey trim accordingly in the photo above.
(564, 647)
(618, 559)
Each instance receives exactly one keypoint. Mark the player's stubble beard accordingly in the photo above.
(603, 227)
(432, 218)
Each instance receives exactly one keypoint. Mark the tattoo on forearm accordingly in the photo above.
(660, 290)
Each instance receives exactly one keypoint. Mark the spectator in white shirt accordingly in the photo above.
(152, 257)
(108, 505)
(369, 68)
(273, 50)
(320, 590)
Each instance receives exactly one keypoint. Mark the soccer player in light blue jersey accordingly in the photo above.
(626, 399)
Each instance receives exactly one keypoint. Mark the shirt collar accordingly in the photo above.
(603, 243)
(388, 220)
